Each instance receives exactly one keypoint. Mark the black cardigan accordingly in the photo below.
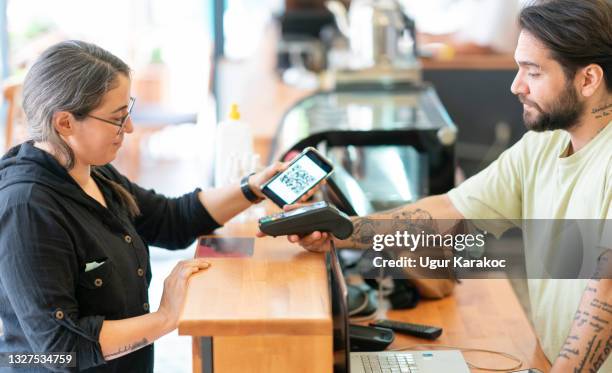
(52, 299)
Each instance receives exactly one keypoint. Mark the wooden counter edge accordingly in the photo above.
(305, 327)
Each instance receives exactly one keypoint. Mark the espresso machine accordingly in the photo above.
(389, 147)
(382, 43)
(385, 130)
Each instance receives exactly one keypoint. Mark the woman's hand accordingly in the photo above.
(260, 178)
(175, 288)
(316, 241)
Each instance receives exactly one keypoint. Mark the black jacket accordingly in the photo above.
(51, 231)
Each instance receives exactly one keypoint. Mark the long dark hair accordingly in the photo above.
(71, 76)
(577, 33)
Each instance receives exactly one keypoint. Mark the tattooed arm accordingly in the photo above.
(589, 343)
(423, 211)
(121, 337)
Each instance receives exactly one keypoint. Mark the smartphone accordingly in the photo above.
(303, 173)
(532, 370)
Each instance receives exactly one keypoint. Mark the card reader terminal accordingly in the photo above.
(319, 216)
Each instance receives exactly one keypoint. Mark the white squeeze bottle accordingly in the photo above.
(233, 149)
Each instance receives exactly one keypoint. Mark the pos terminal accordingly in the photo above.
(319, 216)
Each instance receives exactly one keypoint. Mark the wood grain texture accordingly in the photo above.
(267, 313)
(281, 289)
(271, 354)
(482, 314)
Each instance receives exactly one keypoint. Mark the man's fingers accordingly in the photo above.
(309, 194)
(311, 238)
(294, 206)
(306, 240)
(317, 248)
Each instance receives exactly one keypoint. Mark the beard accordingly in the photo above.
(563, 114)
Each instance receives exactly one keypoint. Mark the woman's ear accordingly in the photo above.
(63, 122)
(592, 79)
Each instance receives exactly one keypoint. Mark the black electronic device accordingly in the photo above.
(369, 338)
(319, 216)
(532, 370)
(302, 174)
(417, 330)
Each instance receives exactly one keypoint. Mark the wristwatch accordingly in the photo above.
(247, 191)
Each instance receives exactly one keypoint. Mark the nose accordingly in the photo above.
(518, 86)
(129, 125)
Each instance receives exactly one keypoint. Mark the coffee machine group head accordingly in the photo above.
(379, 32)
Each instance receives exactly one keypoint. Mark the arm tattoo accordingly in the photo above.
(388, 222)
(595, 320)
(604, 265)
(403, 218)
(127, 349)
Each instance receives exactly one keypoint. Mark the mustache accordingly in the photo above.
(525, 101)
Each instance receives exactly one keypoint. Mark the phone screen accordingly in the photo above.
(301, 176)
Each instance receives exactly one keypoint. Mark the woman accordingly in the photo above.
(74, 258)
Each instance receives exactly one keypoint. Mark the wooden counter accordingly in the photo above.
(483, 314)
(266, 313)
(271, 313)
(472, 62)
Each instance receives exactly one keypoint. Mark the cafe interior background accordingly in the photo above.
(192, 59)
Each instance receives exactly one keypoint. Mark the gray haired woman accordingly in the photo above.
(74, 257)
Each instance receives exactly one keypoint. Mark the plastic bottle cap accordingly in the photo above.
(234, 113)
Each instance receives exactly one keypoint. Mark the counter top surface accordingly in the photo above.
(280, 289)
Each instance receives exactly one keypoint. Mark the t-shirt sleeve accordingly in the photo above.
(494, 194)
(605, 243)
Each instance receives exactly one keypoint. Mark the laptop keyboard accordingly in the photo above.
(389, 363)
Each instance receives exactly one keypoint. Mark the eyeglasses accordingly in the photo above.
(122, 121)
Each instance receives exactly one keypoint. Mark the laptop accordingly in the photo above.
(437, 361)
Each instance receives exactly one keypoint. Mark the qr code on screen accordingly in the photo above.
(297, 179)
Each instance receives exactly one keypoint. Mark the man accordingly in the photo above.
(561, 169)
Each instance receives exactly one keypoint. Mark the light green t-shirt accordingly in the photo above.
(535, 180)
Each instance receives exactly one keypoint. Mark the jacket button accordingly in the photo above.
(128, 238)
(145, 306)
(98, 282)
(140, 272)
(59, 314)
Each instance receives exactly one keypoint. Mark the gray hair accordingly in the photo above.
(70, 76)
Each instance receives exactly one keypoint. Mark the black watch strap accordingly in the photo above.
(247, 191)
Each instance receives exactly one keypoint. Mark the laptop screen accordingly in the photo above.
(339, 296)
